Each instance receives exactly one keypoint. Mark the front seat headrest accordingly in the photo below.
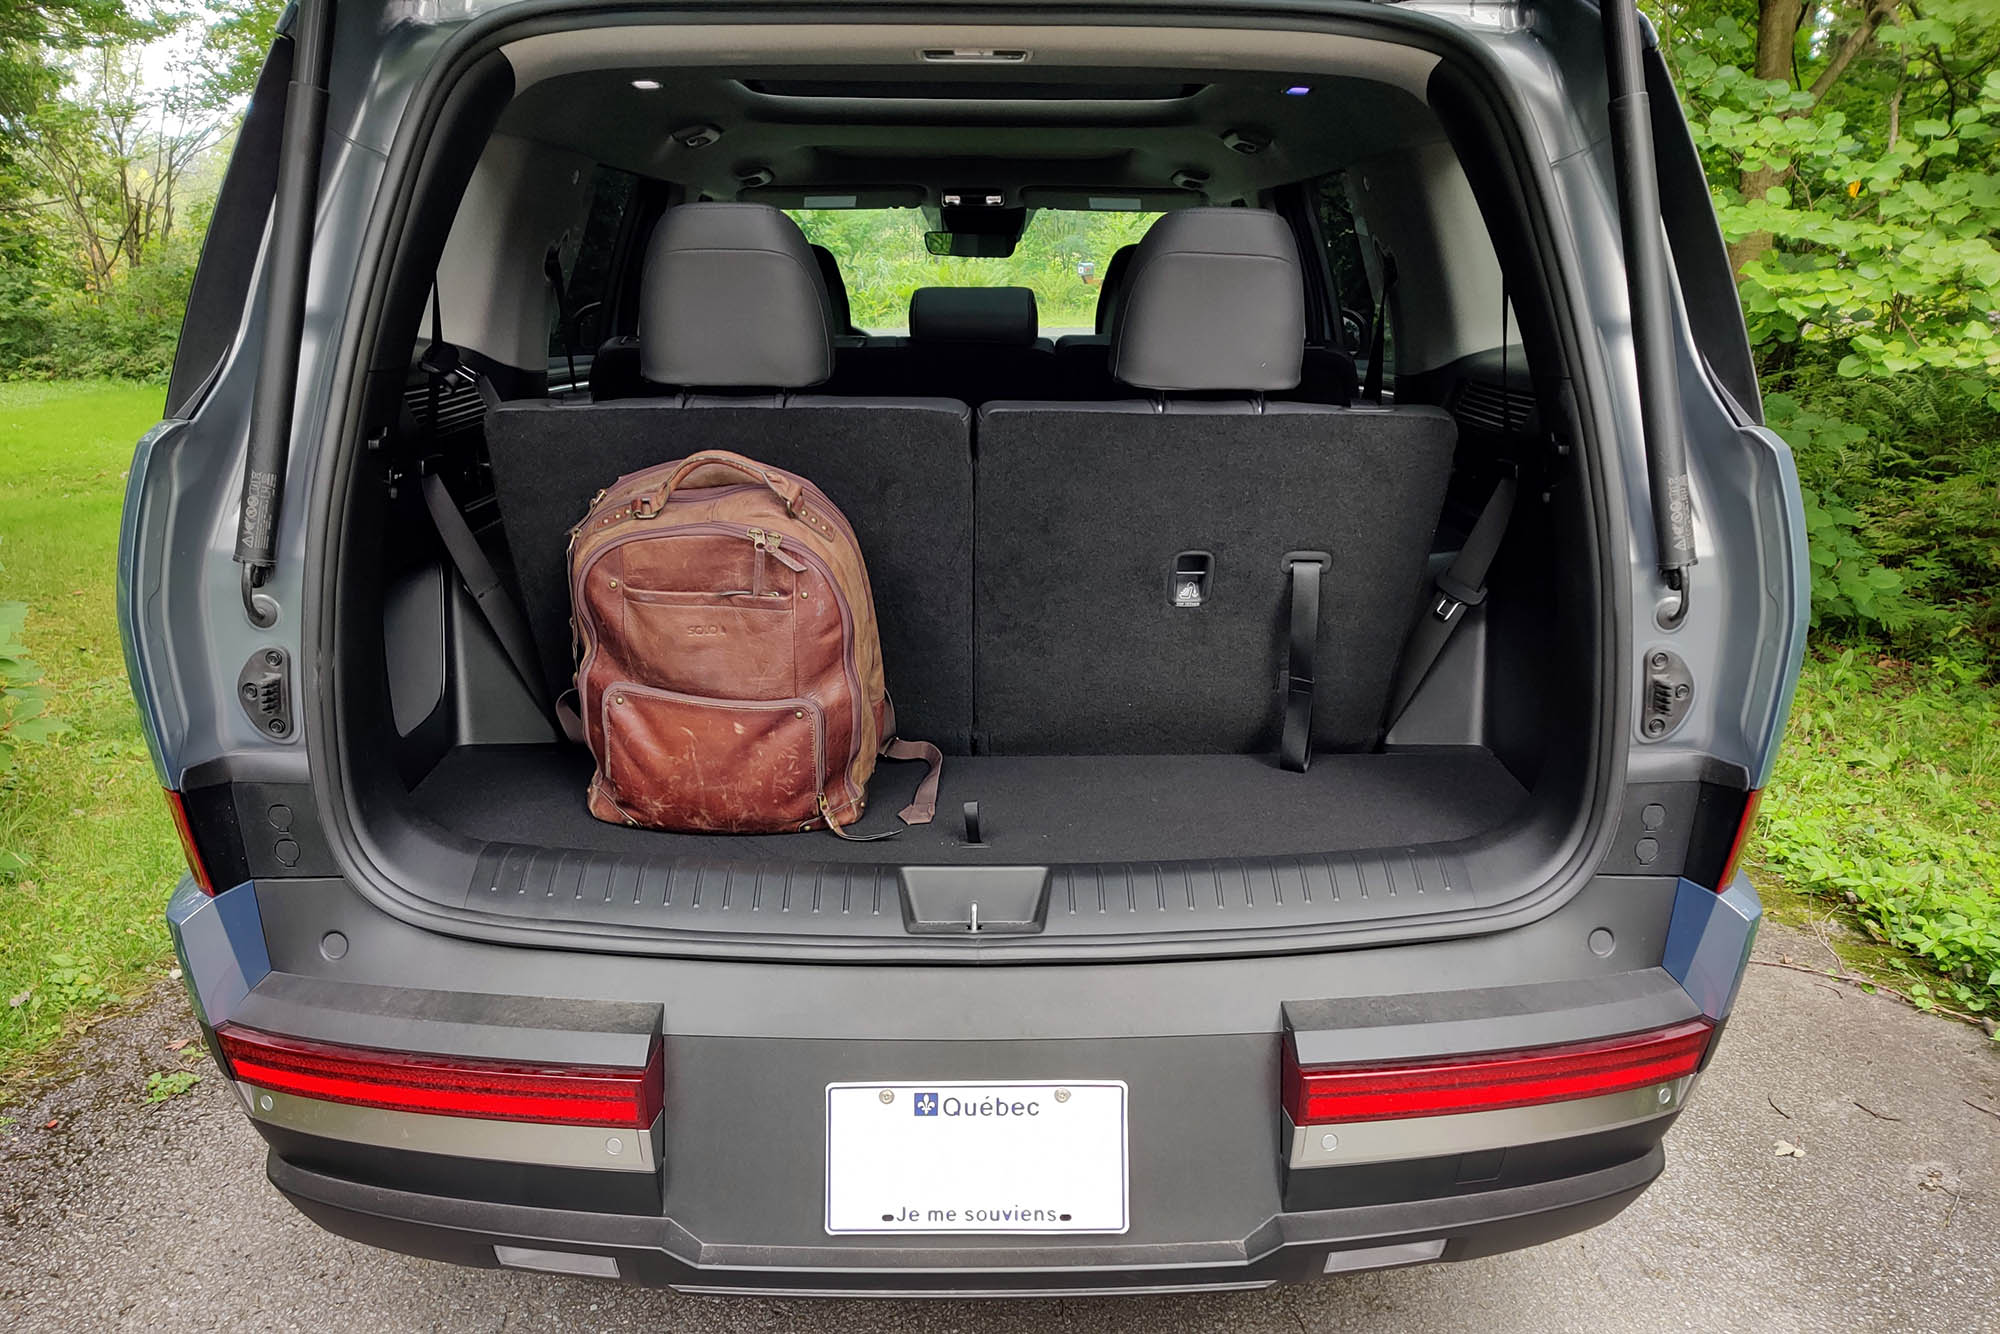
(1215, 301)
(973, 315)
(1111, 290)
(836, 289)
(731, 297)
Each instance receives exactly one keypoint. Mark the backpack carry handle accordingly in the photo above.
(718, 467)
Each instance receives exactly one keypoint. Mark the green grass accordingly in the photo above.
(80, 924)
(1884, 808)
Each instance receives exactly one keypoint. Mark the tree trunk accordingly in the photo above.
(1777, 28)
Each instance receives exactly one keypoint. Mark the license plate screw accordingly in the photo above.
(1062, 1095)
(888, 1095)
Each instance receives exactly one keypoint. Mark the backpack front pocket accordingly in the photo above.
(740, 645)
(695, 763)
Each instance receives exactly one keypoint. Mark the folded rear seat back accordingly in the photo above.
(734, 320)
(1087, 641)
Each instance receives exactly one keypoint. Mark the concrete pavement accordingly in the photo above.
(130, 1216)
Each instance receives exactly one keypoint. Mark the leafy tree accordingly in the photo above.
(1855, 151)
(34, 34)
(234, 44)
(105, 179)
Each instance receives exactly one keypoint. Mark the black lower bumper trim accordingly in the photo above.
(657, 1252)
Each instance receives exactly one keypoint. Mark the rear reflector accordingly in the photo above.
(1381, 1257)
(1336, 1094)
(178, 809)
(1744, 824)
(557, 1262)
(625, 1097)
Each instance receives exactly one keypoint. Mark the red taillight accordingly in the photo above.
(193, 854)
(1333, 1094)
(625, 1097)
(1743, 826)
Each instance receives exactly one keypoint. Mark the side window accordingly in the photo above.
(1345, 258)
(588, 258)
(1349, 261)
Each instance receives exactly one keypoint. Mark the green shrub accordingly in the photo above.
(52, 329)
(1902, 482)
(1885, 797)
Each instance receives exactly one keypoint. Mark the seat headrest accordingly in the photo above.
(1215, 300)
(1111, 291)
(732, 297)
(836, 289)
(973, 315)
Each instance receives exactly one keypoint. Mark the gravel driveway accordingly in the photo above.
(125, 1215)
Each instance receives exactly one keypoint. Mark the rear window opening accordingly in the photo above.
(1081, 501)
(1064, 256)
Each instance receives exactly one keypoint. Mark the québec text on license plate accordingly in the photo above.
(953, 1156)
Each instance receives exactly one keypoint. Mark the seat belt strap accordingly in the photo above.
(483, 582)
(1462, 585)
(1295, 737)
(1378, 340)
(442, 364)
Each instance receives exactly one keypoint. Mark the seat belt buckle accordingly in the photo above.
(1454, 597)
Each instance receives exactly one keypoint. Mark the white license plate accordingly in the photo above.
(957, 1157)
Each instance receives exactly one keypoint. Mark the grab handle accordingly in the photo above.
(714, 467)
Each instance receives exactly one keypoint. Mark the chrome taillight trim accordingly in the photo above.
(1348, 1144)
(526, 1142)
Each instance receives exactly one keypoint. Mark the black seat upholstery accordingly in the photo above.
(1326, 375)
(968, 343)
(1085, 508)
(844, 332)
(734, 320)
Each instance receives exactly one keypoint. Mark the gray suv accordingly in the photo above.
(1311, 471)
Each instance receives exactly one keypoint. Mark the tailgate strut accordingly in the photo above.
(1646, 279)
(296, 203)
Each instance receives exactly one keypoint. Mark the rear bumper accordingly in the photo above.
(1288, 1247)
(727, 1190)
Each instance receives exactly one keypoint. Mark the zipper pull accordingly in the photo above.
(776, 547)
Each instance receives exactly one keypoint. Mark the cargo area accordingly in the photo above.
(1033, 808)
(1329, 337)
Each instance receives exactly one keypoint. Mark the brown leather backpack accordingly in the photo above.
(729, 673)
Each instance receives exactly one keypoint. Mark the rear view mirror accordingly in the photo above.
(969, 245)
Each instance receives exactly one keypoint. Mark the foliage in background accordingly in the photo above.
(106, 179)
(1885, 797)
(882, 260)
(1853, 147)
